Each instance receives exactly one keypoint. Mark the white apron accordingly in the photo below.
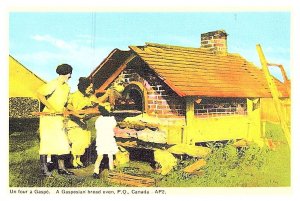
(105, 141)
(53, 138)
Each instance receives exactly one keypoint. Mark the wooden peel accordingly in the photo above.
(66, 113)
(80, 112)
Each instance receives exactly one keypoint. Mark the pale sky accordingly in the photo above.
(43, 40)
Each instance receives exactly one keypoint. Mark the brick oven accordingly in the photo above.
(210, 93)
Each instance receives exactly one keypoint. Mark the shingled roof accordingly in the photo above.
(199, 72)
(191, 71)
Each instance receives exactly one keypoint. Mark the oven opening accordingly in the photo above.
(131, 99)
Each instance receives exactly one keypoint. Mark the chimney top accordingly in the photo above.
(217, 33)
(215, 41)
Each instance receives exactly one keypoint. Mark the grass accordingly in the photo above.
(226, 167)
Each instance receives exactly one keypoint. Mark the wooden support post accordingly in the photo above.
(275, 94)
(190, 115)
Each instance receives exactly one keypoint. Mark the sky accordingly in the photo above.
(43, 40)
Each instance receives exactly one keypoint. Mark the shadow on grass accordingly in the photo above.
(20, 141)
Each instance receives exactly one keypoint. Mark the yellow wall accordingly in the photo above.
(269, 113)
(22, 82)
(220, 128)
(223, 128)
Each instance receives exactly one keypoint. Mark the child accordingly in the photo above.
(105, 139)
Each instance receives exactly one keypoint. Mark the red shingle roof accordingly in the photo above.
(199, 72)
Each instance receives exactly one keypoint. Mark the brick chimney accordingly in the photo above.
(216, 41)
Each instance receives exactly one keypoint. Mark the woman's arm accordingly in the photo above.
(43, 99)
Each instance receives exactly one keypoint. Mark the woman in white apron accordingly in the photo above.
(53, 138)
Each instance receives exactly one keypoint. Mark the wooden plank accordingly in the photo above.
(130, 180)
(129, 183)
(129, 176)
(127, 112)
(67, 113)
(195, 166)
(127, 144)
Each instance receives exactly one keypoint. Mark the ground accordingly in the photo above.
(226, 166)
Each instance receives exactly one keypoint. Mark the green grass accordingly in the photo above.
(226, 167)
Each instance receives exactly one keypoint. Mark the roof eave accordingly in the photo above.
(115, 74)
(94, 72)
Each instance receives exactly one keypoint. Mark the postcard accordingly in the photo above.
(147, 102)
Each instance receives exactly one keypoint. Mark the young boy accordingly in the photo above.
(105, 139)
